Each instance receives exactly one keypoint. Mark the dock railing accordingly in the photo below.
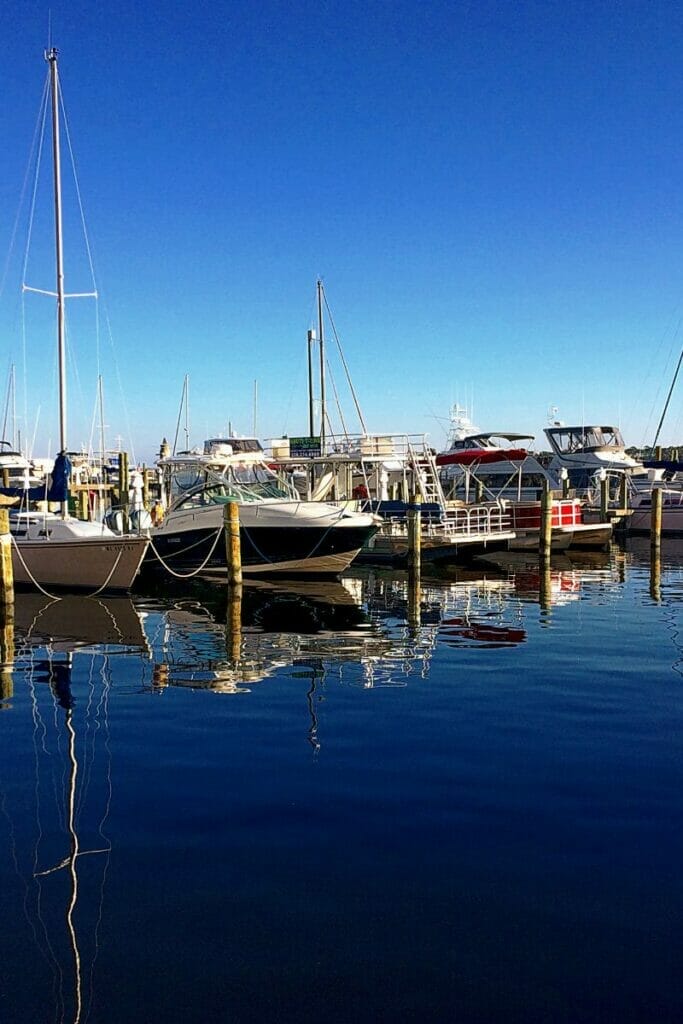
(360, 446)
(467, 521)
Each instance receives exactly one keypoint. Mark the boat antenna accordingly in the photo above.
(668, 399)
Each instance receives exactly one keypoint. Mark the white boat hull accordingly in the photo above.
(277, 537)
(640, 519)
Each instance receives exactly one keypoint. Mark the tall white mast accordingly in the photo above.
(51, 58)
(322, 367)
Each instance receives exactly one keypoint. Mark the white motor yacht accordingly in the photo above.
(279, 532)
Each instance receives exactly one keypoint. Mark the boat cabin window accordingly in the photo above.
(473, 441)
(568, 440)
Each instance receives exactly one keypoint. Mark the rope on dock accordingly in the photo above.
(194, 572)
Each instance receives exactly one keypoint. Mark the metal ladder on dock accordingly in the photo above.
(426, 475)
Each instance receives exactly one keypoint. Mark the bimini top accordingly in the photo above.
(232, 446)
(484, 447)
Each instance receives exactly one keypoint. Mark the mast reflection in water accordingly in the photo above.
(63, 902)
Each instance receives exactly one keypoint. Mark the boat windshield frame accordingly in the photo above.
(592, 438)
(220, 488)
(487, 440)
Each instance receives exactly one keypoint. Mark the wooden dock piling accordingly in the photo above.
(623, 493)
(83, 505)
(233, 550)
(414, 563)
(414, 540)
(6, 571)
(656, 520)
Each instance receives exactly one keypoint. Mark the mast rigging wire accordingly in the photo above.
(668, 399)
(344, 364)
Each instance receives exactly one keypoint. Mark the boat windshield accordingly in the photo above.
(242, 484)
(568, 440)
(245, 481)
(473, 441)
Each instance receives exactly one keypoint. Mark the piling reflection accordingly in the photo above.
(6, 655)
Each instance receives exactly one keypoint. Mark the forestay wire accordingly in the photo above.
(344, 364)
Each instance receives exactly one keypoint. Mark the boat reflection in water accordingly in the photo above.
(371, 629)
(368, 631)
(74, 623)
(70, 762)
(206, 642)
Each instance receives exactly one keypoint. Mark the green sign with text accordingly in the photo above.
(304, 447)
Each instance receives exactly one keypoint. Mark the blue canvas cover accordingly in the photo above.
(58, 491)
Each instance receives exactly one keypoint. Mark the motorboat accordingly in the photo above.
(279, 532)
(587, 453)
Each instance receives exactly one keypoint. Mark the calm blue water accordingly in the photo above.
(338, 815)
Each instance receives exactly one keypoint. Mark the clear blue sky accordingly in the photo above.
(492, 193)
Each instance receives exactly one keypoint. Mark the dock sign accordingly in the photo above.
(304, 447)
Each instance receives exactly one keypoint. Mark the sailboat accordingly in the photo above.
(55, 549)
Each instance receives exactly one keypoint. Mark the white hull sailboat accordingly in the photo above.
(72, 554)
(57, 550)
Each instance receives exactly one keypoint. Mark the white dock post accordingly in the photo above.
(546, 530)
